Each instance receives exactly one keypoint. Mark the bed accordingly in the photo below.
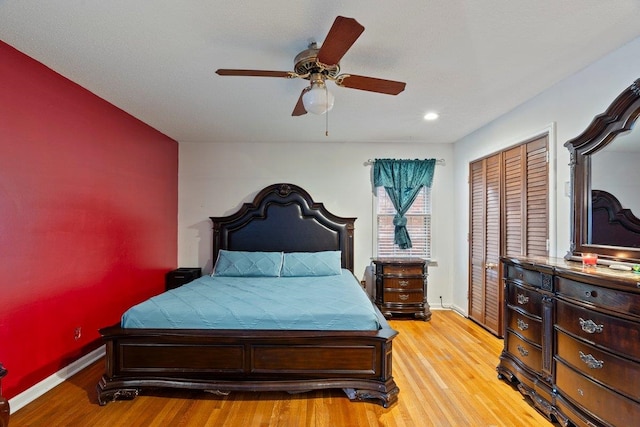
(282, 218)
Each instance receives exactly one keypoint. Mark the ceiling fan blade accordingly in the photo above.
(370, 84)
(299, 109)
(342, 35)
(254, 73)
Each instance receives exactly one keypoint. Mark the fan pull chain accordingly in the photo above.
(326, 118)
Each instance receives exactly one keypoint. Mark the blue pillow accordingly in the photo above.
(326, 263)
(248, 264)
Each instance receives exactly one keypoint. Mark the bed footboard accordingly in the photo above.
(231, 360)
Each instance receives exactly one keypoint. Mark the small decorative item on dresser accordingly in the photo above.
(589, 259)
(180, 276)
(4, 404)
(401, 287)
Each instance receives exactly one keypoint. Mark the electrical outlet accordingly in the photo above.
(77, 333)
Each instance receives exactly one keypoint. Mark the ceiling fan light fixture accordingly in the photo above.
(318, 99)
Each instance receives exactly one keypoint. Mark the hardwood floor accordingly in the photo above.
(445, 369)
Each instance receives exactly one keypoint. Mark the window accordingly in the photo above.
(418, 225)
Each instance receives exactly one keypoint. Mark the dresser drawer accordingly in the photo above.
(402, 269)
(615, 372)
(620, 335)
(598, 400)
(524, 351)
(525, 326)
(401, 283)
(526, 299)
(530, 277)
(611, 299)
(403, 297)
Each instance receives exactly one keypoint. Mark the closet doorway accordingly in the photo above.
(509, 216)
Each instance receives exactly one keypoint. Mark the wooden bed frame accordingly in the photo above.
(282, 217)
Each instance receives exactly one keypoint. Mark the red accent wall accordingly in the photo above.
(88, 217)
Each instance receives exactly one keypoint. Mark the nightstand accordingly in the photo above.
(401, 287)
(180, 276)
(4, 404)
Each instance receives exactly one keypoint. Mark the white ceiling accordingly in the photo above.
(470, 60)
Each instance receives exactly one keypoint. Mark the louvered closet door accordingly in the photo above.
(526, 199)
(485, 290)
(509, 194)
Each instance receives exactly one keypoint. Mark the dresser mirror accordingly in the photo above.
(605, 184)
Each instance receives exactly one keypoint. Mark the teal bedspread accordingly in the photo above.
(277, 303)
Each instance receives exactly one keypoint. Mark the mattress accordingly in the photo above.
(334, 302)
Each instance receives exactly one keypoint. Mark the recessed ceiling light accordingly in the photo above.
(431, 116)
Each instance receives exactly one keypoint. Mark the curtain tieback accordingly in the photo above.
(399, 221)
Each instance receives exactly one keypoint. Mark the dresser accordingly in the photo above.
(401, 287)
(572, 340)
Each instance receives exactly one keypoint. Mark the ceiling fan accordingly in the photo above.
(321, 64)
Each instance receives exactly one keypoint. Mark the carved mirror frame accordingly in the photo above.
(619, 117)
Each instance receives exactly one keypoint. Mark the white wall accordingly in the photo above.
(215, 179)
(570, 105)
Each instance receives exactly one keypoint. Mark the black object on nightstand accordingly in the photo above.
(180, 276)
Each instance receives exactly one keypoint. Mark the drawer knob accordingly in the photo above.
(522, 299)
(522, 325)
(403, 283)
(523, 351)
(404, 297)
(591, 361)
(590, 327)
(591, 294)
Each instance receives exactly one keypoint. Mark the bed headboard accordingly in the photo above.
(611, 224)
(284, 217)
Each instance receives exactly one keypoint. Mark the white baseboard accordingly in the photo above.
(49, 383)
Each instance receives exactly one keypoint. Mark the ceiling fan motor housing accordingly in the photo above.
(306, 63)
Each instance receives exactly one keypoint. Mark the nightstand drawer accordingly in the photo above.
(403, 270)
(400, 283)
(406, 297)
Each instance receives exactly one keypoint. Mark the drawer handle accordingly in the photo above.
(523, 351)
(403, 283)
(522, 299)
(590, 327)
(522, 325)
(591, 294)
(404, 297)
(591, 361)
